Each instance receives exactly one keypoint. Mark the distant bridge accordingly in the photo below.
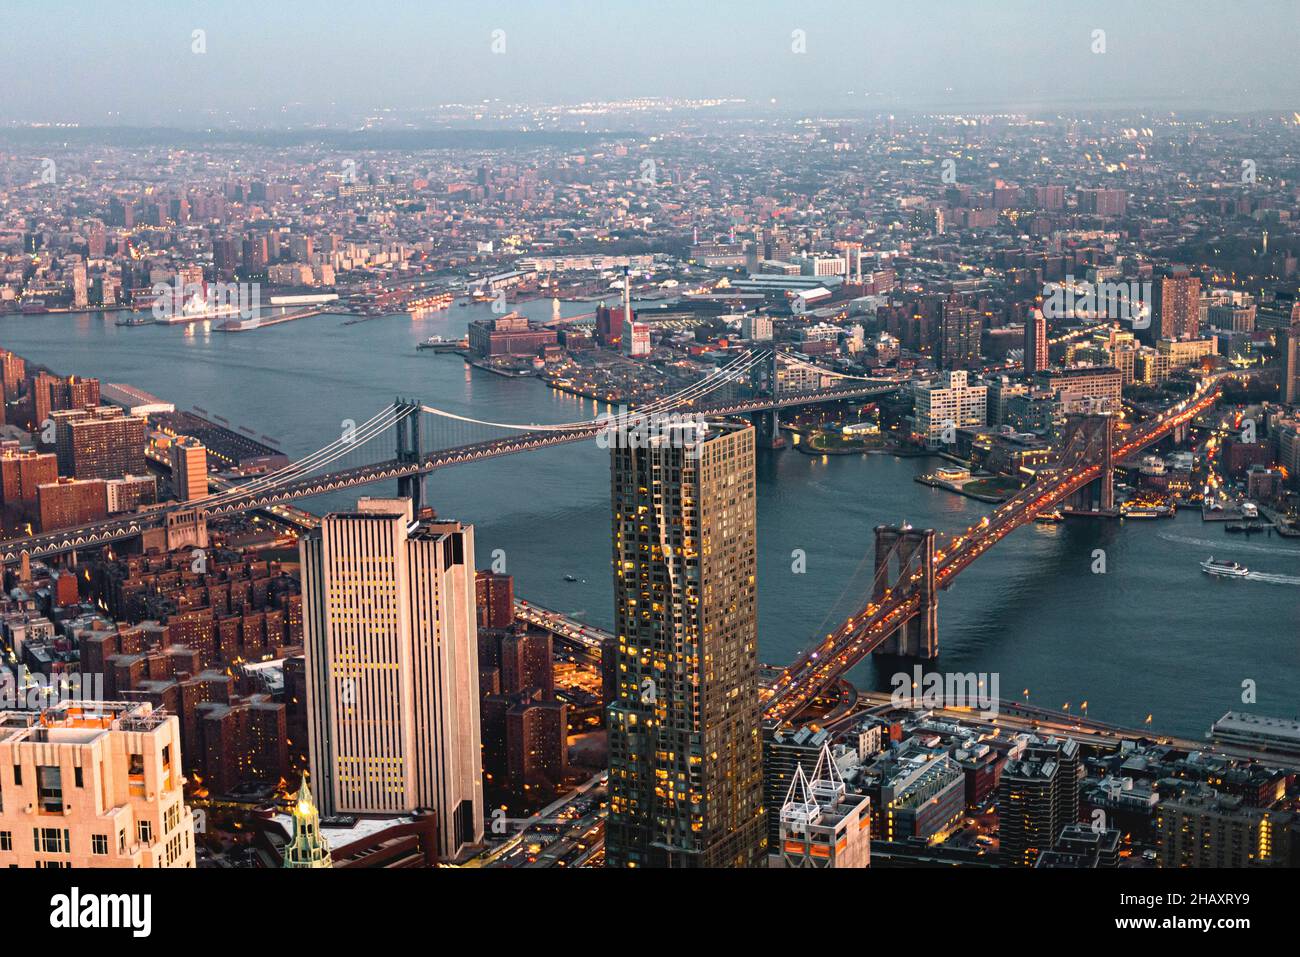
(409, 425)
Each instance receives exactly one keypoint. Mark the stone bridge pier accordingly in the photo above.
(909, 550)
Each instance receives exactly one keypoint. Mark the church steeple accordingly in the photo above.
(307, 848)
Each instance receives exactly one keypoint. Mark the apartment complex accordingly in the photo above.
(1205, 828)
(1085, 382)
(1178, 308)
(99, 443)
(1036, 355)
(947, 403)
(686, 778)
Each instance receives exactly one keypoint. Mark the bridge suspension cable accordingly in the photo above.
(731, 372)
(372, 427)
(784, 684)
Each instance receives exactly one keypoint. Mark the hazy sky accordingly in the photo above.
(130, 61)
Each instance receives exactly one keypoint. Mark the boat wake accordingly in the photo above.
(1223, 544)
(1273, 579)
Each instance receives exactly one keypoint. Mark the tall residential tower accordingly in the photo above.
(1036, 355)
(1291, 384)
(686, 777)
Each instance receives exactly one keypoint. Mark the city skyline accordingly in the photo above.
(650, 437)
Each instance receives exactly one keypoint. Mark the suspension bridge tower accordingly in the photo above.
(1097, 430)
(767, 424)
(912, 550)
(409, 451)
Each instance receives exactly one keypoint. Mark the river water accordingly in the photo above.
(1150, 635)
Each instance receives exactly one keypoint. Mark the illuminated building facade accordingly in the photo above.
(1207, 829)
(1036, 355)
(949, 402)
(686, 779)
(306, 848)
(1178, 308)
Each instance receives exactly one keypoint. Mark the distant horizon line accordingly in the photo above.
(736, 107)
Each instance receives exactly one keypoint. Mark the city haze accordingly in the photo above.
(333, 63)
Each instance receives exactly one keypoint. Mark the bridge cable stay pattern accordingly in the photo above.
(731, 372)
(375, 426)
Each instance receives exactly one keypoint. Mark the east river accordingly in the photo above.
(1152, 635)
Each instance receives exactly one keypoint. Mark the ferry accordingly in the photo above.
(1147, 511)
(441, 344)
(1223, 569)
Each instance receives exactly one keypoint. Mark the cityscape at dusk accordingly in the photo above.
(632, 436)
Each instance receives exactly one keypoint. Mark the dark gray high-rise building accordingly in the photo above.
(959, 337)
(1291, 384)
(783, 752)
(1038, 796)
(686, 776)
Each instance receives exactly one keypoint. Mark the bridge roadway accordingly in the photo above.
(106, 532)
(814, 671)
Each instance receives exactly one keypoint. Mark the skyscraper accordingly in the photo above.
(823, 823)
(1038, 795)
(101, 442)
(1291, 386)
(686, 779)
(13, 370)
(959, 336)
(392, 667)
(1179, 307)
(1035, 342)
(784, 751)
